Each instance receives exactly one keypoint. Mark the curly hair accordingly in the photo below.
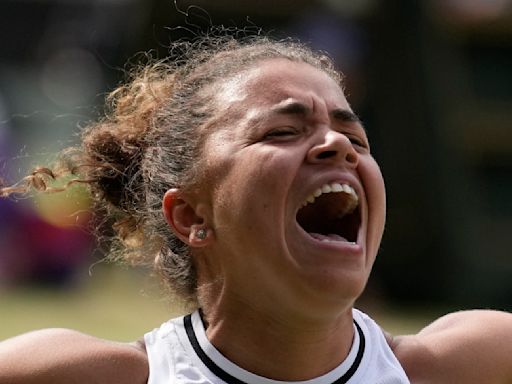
(150, 140)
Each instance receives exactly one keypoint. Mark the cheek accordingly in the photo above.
(248, 183)
(380, 191)
(376, 197)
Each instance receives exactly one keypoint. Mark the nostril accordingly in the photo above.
(326, 154)
(351, 157)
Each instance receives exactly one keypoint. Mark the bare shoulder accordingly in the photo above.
(462, 347)
(67, 356)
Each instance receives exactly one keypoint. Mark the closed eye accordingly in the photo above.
(358, 141)
(281, 132)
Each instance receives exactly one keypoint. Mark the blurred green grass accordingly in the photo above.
(122, 304)
(114, 303)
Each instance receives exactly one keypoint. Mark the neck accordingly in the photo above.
(280, 347)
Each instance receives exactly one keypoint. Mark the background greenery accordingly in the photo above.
(123, 304)
(114, 303)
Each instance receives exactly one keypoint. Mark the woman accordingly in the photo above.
(273, 211)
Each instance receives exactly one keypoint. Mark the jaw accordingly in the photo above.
(331, 252)
(332, 273)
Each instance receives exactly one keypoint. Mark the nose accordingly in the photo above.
(333, 147)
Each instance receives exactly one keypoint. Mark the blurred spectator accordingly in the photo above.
(33, 249)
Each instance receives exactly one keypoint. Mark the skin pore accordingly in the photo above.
(292, 131)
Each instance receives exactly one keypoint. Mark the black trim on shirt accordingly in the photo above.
(360, 352)
(222, 374)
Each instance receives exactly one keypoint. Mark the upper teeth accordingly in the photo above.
(333, 188)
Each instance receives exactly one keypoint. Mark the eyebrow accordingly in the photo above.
(294, 108)
(345, 115)
(297, 108)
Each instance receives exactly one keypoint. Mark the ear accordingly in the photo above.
(185, 219)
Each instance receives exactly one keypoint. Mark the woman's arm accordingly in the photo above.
(463, 347)
(64, 356)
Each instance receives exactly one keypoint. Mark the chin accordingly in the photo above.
(338, 288)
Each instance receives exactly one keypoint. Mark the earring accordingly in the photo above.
(201, 234)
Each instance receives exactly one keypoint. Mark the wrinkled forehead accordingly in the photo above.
(272, 81)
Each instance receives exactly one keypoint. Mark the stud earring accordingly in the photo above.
(201, 234)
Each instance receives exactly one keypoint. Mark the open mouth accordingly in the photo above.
(331, 213)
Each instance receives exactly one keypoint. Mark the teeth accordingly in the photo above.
(335, 188)
(339, 188)
(326, 189)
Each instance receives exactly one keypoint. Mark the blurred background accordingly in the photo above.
(431, 79)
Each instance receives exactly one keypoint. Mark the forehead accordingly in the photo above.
(277, 80)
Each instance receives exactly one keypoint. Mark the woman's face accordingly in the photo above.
(297, 201)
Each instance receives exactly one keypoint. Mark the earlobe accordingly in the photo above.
(182, 217)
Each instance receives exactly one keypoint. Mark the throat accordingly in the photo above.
(280, 351)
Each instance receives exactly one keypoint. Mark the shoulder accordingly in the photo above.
(462, 347)
(67, 356)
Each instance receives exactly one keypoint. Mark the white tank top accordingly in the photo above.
(179, 352)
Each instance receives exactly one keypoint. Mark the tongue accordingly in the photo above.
(329, 237)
